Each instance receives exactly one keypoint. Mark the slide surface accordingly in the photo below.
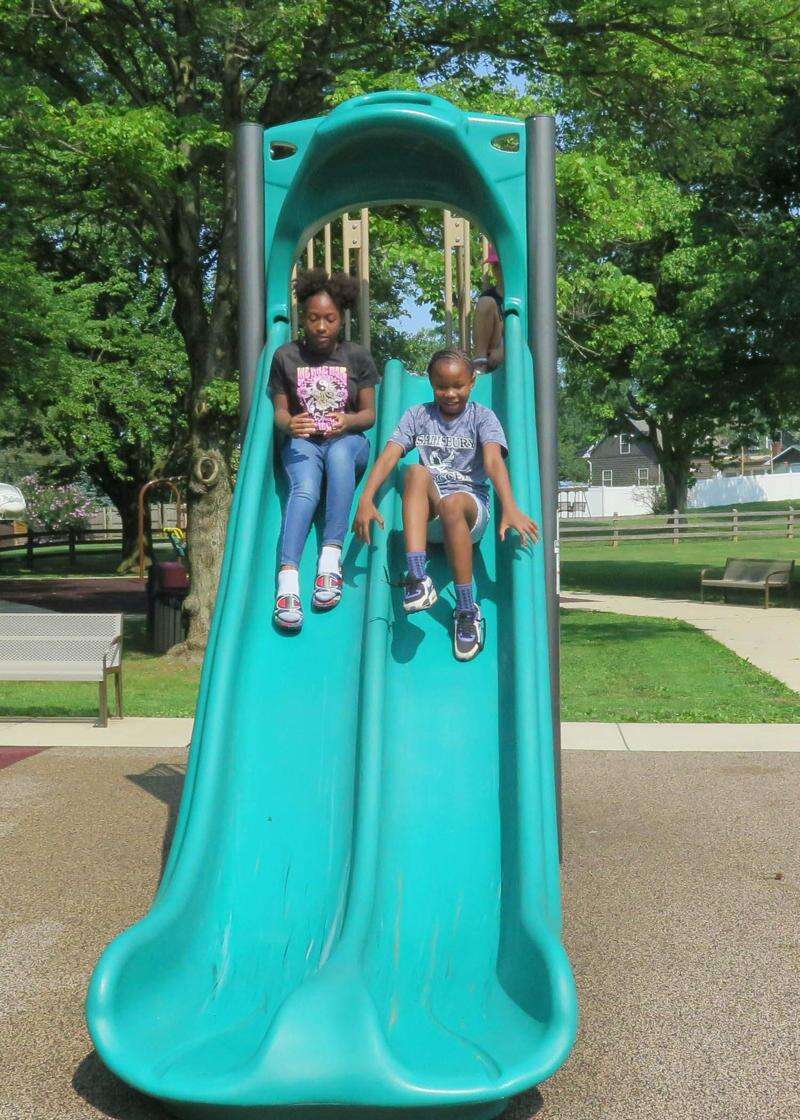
(360, 914)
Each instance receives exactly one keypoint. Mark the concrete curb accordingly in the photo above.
(167, 734)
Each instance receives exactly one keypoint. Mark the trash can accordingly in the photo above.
(167, 587)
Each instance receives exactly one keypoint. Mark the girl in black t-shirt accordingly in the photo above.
(323, 393)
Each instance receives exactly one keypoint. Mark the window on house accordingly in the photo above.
(624, 443)
(642, 475)
(794, 468)
(608, 477)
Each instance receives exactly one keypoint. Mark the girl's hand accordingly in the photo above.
(301, 426)
(514, 518)
(366, 513)
(339, 424)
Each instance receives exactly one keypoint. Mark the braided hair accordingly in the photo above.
(450, 354)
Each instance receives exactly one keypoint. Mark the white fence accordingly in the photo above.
(744, 488)
(605, 501)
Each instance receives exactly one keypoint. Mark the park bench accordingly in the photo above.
(45, 646)
(749, 575)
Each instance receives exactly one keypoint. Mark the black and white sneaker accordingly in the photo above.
(418, 594)
(469, 633)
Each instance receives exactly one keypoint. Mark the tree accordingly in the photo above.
(95, 371)
(122, 111)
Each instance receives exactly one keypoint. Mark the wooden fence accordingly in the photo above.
(66, 540)
(731, 524)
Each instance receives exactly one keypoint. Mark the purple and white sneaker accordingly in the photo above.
(418, 594)
(469, 633)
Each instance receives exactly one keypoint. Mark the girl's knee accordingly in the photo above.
(417, 475)
(305, 490)
(452, 509)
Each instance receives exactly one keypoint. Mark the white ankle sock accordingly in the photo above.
(330, 560)
(289, 581)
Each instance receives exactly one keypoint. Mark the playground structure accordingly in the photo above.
(360, 914)
(355, 238)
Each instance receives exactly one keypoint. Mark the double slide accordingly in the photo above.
(360, 914)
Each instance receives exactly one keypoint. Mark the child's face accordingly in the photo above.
(322, 322)
(452, 382)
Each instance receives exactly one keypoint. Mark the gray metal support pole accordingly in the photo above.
(250, 258)
(542, 334)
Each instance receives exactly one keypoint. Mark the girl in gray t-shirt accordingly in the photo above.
(461, 446)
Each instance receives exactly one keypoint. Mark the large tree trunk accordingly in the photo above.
(212, 355)
(208, 506)
(676, 470)
(128, 508)
(124, 493)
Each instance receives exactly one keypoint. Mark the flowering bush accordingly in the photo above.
(57, 507)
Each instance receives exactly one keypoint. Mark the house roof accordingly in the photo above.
(786, 450)
(639, 426)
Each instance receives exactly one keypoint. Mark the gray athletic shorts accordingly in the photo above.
(435, 528)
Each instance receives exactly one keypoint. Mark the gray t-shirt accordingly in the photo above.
(451, 449)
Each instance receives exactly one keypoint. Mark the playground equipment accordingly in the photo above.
(360, 914)
(355, 238)
(12, 502)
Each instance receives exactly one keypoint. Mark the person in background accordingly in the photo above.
(487, 329)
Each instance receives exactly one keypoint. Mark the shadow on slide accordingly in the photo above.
(360, 913)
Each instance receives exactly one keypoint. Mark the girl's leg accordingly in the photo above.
(458, 515)
(421, 502)
(303, 463)
(345, 460)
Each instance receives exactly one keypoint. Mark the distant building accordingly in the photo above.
(787, 461)
(626, 458)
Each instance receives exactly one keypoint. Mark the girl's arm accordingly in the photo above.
(300, 425)
(367, 511)
(359, 421)
(513, 517)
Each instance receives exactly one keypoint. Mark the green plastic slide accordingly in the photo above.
(360, 915)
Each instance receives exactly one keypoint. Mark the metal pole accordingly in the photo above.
(363, 279)
(448, 279)
(467, 288)
(250, 258)
(348, 326)
(328, 251)
(542, 335)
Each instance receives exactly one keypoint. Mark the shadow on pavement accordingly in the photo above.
(110, 1096)
(163, 781)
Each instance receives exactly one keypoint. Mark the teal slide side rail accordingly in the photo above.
(360, 912)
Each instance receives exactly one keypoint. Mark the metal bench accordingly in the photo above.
(45, 646)
(749, 575)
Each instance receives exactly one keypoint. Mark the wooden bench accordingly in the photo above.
(750, 575)
(45, 646)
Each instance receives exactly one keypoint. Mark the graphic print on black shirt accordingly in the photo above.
(321, 386)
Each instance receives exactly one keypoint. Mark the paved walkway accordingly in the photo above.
(768, 639)
(166, 734)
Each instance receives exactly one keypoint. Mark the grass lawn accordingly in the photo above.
(664, 570)
(614, 668)
(53, 560)
(748, 507)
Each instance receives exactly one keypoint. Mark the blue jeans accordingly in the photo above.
(341, 461)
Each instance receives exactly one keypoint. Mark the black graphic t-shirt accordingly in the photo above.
(321, 386)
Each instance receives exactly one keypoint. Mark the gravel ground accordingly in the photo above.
(682, 918)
